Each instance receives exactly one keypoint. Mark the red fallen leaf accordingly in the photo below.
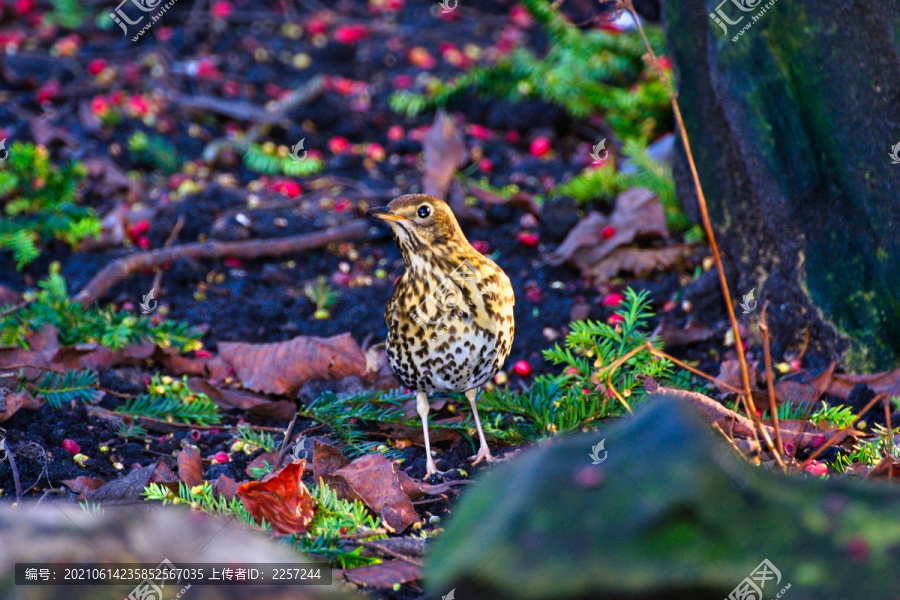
(385, 574)
(281, 499)
(190, 466)
(372, 478)
(445, 151)
(282, 367)
(83, 485)
(10, 403)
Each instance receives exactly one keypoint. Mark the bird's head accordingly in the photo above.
(421, 223)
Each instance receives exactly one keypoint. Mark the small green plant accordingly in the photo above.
(173, 400)
(837, 416)
(61, 388)
(127, 432)
(267, 160)
(594, 378)
(323, 296)
(871, 451)
(255, 440)
(200, 497)
(40, 203)
(260, 472)
(346, 416)
(67, 13)
(155, 152)
(51, 305)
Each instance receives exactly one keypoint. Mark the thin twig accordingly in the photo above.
(684, 365)
(284, 442)
(157, 279)
(249, 249)
(839, 434)
(707, 226)
(619, 397)
(887, 420)
(770, 377)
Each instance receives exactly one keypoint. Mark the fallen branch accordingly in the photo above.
(743, 427)
(249, 250)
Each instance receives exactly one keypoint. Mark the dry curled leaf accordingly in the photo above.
(11, 402)
(282, 367)
(190, 466)
(372, 478)
(281, 499)
(445, 151)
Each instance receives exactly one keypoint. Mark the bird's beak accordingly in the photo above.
(382, 213)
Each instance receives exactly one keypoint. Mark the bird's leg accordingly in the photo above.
(422, 408)
(484, 452)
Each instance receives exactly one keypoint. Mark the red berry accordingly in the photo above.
(71, 446)
(789, 448)
(316, 26)
(338, 145)
(613, 299)
(486, 165)
(395, 133)
(23, 7)
(533, 294)
(232, 262)
(816, 468)
(796, 365)
(817, 440)
(143, 242)
(376, 152)
(222, 9)
(665, 62)
(522, 368)
(529, 240)
(99, 105)
(203, 354)
(513, 137)
(220, 458)
(607, 232)
(479, 132)
(571, 371)
(195, 435)
(48, 92)
(481, 245)
(350, 34)
(289, 188)
(96, 66)
(539, 146)
(614, 319)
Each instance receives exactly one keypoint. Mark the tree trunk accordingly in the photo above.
(791, 123)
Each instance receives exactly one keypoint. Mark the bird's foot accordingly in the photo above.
(483, 454)
(432, 473)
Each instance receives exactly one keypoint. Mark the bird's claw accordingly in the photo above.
(483, 454)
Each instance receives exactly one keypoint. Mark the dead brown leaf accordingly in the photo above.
(10, 402)
(730, 373)
(125, 490)
(692, 333)
(373, 479)
(281, 499)
(83, 485)
(445, 151)
(384, 574)
(638, 214)
(226, 487)
(190, 465)
(282, 367)
(260, 462)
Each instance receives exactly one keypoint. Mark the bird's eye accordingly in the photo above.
(424, 211)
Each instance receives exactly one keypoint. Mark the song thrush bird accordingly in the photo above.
(450, 318)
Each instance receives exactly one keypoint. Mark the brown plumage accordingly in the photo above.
(450, 318)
